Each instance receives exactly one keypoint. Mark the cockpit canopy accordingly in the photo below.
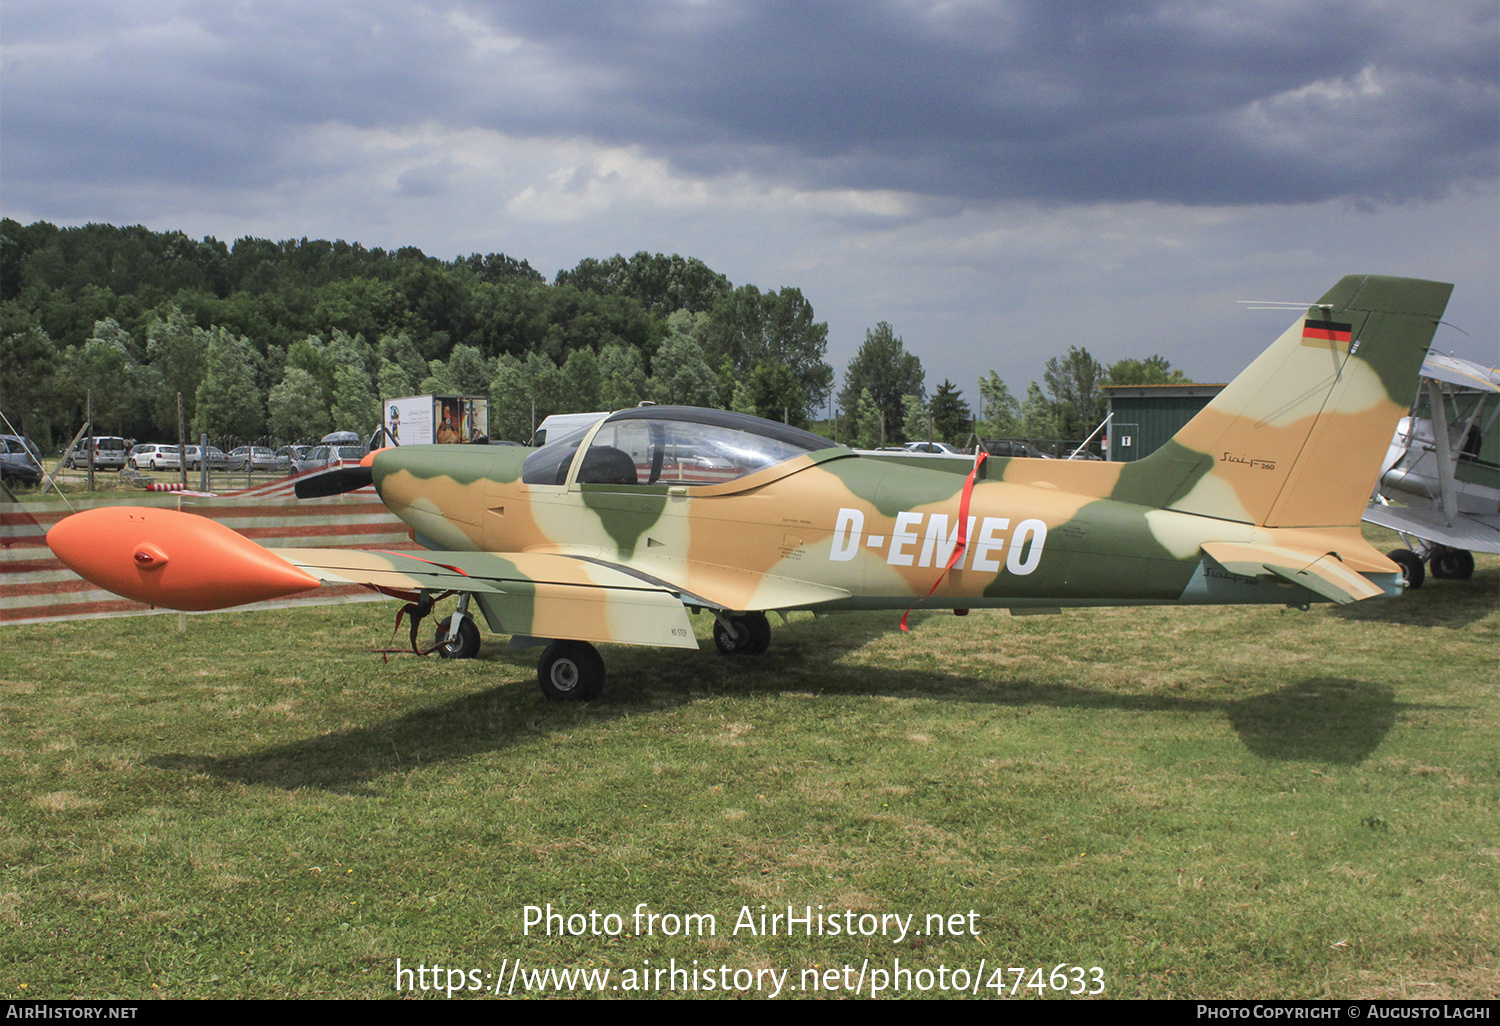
(670, 445)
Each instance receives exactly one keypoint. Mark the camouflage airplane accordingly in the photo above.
(614, 533)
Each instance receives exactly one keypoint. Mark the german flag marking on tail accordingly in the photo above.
(1318, 332)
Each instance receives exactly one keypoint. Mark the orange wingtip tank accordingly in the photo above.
(168, 558)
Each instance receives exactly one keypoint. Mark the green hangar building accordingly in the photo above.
(1143, 417)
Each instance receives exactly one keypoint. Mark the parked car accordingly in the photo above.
(933, 448)
(217, 459)
(156, 457)
(288, 455)
(325, 455)
(1009, 448)
(20, 462)
(258, 456)
(109, 453)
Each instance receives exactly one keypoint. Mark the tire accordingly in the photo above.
(752, 635)
(571, 671)
(465, 646)
(1451, 564)
(1411, 567)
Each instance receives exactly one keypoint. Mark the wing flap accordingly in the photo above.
(738, 589)
(539, 595)
(1321, 573)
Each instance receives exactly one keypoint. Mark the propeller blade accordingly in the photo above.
(334, 482)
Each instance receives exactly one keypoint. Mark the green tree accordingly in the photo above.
(742, 401)
(1153, 370)
(622, 378)
(584, 379)
(869, 421)
(950, 414)
(102, 368)
(1001, 414)
(548, 390)
(1038, 418)
(659, 283)
(510, 401)
(28, 365)
(469, 371)
(355, 407)
(393, 382)
(310, 354)
(888, 372)
(683, 377)
(777, 395)
(178, 348)
(1073, 387)
(295, 407)
(228, 401)
(915, 424)
(400, 349)
(750, 329)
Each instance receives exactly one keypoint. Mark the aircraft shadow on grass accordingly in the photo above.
(1325, 720)
(1453, 604)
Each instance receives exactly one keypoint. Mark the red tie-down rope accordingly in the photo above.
(963, 533)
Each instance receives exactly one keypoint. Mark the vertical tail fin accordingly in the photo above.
(1296, 440)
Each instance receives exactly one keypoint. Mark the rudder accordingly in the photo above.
(1297, 438)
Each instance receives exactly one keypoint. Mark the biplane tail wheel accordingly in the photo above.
(465, 646)
(571, 671)
(1452, 564)
(752, 635)
(1411, 566)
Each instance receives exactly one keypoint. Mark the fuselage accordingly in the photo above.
(882, 532)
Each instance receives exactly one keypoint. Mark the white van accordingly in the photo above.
(109, 453)
(559, 424)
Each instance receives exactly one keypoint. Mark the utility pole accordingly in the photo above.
(181, 443)
(89, 438)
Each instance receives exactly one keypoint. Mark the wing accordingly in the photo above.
(177, 560)
(540, 595)
(1472, 531)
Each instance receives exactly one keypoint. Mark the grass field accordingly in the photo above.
(1252, 802)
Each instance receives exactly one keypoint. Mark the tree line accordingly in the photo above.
(296, 338)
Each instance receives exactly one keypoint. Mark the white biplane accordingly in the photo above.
(1443, 468)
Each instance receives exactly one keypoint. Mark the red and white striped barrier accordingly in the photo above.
(179, 488)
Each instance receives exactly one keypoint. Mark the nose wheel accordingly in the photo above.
(463, 645)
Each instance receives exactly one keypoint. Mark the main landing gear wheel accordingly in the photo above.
(1411, 567)
(571, 671)
(752, 634)
(1451, 564)
(465, 646)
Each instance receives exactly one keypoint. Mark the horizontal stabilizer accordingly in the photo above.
(1322, 573)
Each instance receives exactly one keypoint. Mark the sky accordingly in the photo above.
(998, 180)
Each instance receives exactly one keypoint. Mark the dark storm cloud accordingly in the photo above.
(1192, 101)
(1185, 102)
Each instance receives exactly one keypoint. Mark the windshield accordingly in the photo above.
(549, 464)
(689, 446)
